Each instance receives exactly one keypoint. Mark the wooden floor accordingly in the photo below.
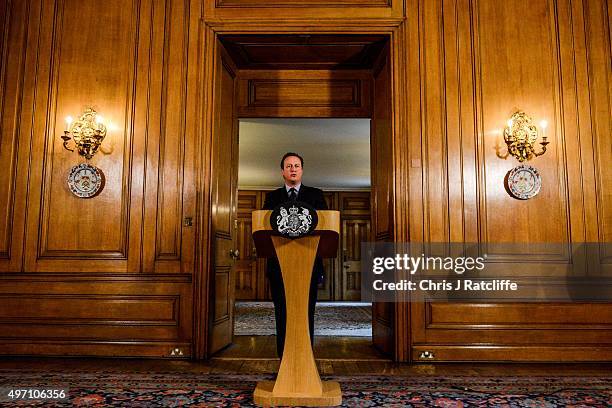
(335, 356)
(325, 348)
(326, 367)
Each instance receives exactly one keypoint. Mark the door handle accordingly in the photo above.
(234, 253)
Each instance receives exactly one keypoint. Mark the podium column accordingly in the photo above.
(298, 381)
(298, 370)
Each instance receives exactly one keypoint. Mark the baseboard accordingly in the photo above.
(77, 348)
(488, 353)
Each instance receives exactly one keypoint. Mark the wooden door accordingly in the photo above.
(356, 228)
(224, 197)
(330, 265)
(383, 314)
(354, 232)
(246, 265)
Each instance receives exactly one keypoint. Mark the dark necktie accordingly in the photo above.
(292, 194)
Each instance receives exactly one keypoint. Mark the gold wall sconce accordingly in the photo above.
(521, 135)
(87, 133)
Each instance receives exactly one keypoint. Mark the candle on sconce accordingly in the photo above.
(543, 125)
(68, 120)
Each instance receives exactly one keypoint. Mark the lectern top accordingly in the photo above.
(328, 228)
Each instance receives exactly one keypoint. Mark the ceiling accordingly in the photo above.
(304, 51)
(336, 152)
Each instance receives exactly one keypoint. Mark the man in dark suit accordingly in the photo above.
(292, 166)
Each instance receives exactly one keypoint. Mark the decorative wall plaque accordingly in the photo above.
(523, 182)
(294, 219)
(85, 180)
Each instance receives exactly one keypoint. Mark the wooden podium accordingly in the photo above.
(298, 381)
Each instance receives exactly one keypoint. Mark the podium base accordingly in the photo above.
(332, 396)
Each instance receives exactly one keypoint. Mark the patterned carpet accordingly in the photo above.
(159, 389)
(331, 319)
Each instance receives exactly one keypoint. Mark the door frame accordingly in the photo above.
(209, 32)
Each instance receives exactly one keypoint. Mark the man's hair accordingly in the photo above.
(291, 154)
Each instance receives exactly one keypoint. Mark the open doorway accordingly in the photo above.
(336, 156)
(319, 78)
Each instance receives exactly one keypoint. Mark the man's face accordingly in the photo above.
(292, 170)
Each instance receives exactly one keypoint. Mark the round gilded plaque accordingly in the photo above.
(85, 180)
(523, 182)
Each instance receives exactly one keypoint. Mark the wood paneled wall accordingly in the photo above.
(283, 10)
(109, 275)
(308, 94)
(119, 274)
(481, 61)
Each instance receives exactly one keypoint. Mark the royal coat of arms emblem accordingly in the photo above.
(294, 219)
